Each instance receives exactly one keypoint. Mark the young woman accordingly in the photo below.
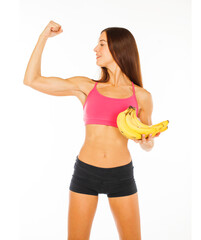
(104, 164)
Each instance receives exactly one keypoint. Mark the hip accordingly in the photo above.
(86, 171)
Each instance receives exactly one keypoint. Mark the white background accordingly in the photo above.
(42, 134)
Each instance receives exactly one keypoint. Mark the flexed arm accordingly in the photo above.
(55, 86)
(33, 70)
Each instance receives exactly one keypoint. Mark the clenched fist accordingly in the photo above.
(51, 30)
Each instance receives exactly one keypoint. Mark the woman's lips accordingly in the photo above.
(97, 57)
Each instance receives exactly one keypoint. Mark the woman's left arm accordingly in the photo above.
(144, 116)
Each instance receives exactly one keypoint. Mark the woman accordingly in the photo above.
(104, 164)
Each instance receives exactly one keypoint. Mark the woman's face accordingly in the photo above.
(102, 52)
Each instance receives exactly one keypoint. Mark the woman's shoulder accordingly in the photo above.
(142, 92)
(143, 97)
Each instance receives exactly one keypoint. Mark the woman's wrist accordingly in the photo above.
(43, 36)
(147, 146)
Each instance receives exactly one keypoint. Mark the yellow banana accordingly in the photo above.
(154, 129)
(135, 119)
(165, 128)
(134, 128)
(124, 129)
(141, 125)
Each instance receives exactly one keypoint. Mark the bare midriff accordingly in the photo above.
(105, 147)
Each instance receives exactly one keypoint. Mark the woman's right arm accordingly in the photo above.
(61, 87)
(33, 70)
(51, 85)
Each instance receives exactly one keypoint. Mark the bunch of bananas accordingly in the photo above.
(131, 127)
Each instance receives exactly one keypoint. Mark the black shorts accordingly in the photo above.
(115, 182)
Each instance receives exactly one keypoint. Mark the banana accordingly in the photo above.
(154, 129)
(131, 127)
(135, 119)
(141, 125)
(124, 129)
(165, 128)
(136, 127)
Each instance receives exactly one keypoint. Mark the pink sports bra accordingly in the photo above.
(99, 109)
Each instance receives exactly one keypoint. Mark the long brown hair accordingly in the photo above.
(123, 48)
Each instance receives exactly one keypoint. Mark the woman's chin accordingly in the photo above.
(100, 65)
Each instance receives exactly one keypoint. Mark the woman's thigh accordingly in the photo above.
(126, 214)
(81, 212)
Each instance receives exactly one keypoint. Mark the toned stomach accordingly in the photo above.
(104, 146)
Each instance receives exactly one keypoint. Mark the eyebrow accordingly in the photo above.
(102, 40)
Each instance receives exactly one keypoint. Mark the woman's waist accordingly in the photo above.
(106, 141)
(101, 134)
(103, 156)
(106, 146)
(99, 146)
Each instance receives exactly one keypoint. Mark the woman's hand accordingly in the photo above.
(146, 140)
(146, 143)
(51, 30)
